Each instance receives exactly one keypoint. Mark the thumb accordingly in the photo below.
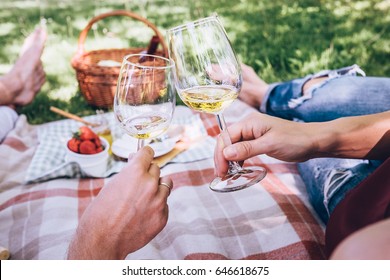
(241, 150)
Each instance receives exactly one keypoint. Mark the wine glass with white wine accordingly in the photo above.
(145, 97)
(208, 79)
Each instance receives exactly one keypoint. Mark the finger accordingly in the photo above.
(165, 186)
(143, 157)
(235, 131)
(249, 128)
(154, 170)
(221, 165)
(243, 150)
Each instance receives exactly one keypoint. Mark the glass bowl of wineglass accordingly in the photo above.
(145, 97)
(208, 79)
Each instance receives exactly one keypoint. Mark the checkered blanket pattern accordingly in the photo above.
(49, 162)
(270, 220)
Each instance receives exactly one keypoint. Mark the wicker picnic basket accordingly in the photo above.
(98, 82)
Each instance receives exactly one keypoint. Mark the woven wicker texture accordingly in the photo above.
(98, 82)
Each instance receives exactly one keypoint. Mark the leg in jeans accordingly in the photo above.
(333, 98)
(327, 179)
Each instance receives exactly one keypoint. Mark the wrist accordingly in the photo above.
(325, 139)
(338, 138)
(89, 243)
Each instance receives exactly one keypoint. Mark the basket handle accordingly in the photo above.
(84, 32)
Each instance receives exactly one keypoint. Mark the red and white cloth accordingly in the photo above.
(270, 220)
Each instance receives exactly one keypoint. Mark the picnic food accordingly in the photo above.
(85, 141)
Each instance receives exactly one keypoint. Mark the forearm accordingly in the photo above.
(355, 137)
(90, 245)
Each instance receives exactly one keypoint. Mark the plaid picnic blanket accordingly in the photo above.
(270, 220)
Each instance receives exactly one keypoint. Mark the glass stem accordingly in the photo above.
(234, 166)
(140, 144)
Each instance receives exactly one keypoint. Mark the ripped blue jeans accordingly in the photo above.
(342, 94)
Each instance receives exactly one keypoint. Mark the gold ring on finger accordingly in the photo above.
(167, 186)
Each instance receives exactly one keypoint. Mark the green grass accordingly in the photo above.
(281, 39)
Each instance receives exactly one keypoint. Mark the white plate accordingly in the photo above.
(125, 145)
(162, 148)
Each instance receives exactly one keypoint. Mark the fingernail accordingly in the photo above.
(230, 151)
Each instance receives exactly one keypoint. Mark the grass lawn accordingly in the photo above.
(281, 39)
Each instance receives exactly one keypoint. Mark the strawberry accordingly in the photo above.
(97, 141)
(99, 149)
(85, 141)
(86, 133)
(87, 147)
(73, 145)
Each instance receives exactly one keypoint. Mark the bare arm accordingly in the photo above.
(352, 137)
(358, 137)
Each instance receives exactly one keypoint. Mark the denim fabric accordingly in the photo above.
(328, 180)
(343, 94)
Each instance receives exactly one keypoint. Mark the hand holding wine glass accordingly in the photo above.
(208, 79)
(145, 97)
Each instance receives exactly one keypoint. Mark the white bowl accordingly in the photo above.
(94, 165)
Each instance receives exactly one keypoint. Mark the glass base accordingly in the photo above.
(238, 181)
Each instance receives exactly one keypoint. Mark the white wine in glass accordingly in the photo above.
(208, 79)
(145, 100)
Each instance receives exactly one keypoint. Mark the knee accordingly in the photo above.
(371, 242)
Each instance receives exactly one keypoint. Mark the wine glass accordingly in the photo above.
(208, 79)
(145, 97)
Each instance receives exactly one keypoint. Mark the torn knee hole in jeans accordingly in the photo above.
(308, 93)
(315, 82)
(293, 103)
(320, 79)
(335, 179)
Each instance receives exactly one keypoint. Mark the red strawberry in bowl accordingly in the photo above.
(97, 141)
(85, 141)
(88, 150)
(88, 147)
(73, 145)
(86, 133)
